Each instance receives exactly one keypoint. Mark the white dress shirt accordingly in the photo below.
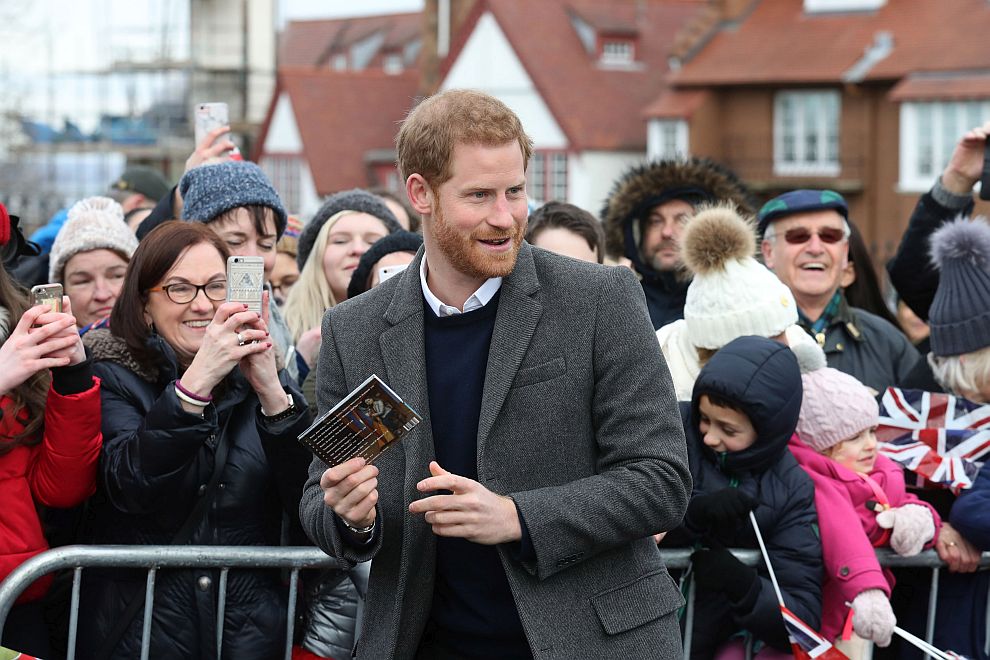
(476, 300)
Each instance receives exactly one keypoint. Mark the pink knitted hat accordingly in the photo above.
(835, 407)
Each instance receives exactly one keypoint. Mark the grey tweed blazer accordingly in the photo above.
(578, 425)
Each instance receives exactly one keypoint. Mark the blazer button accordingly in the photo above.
(204, 583)
(844, 571)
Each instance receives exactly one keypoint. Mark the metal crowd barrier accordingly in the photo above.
(154, 558)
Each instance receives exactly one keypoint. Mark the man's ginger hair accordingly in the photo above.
(428, 135)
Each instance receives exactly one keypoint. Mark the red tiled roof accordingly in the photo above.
(676, 104)
(308, 43)
(922, 87)
(342, 116)
(596, 107)
(779, 43)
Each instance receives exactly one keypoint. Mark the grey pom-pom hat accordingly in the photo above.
(960, 313)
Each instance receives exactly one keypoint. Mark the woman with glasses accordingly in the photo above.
(200, 448)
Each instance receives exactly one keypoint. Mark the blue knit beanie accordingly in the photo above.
(960, 313)
(358, 200)
(210, 190)
(800, 201)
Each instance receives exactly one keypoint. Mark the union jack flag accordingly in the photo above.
(938, 436)
(805, 642)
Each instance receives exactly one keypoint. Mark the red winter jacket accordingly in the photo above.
(58, 472)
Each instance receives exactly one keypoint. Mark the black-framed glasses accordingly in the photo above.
(183, 293)
(799, 235)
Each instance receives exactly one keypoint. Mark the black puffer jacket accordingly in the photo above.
(156, 457)
(763, 377)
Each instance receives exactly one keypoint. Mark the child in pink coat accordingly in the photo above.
(836, 446)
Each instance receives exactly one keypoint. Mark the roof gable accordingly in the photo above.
(343, 115)
(596, 106)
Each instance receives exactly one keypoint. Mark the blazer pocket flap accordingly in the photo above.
(636, 603)
(539, 373)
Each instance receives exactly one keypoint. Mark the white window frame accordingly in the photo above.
(827, 6)
(821, 162)
(929, 131)
(618, 51)
(285, 171)
(546, 176)
(392, 63)
(667, 139)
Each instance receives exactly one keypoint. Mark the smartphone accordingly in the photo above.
(385, 272)
(246, 281)
(210, 116)
(47, 294)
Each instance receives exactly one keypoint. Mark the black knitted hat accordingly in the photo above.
(348, 200)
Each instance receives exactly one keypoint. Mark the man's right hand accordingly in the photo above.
(351, 490)
(966, 164)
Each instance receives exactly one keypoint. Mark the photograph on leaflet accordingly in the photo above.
(365, 423)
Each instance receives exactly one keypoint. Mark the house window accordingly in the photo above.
(546, 177)
(929, 133)
(666, 139)
(392, 63)
(338, 62)
(618, 52)
(285, 173)
(806, 133)
(827, 6)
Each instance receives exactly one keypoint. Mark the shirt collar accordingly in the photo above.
(476, 300)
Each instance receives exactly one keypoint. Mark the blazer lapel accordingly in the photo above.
(404, 355)
(518, 314)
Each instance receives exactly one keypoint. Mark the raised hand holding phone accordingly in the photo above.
(29, 350)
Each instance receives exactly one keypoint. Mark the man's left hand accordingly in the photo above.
(470, 512)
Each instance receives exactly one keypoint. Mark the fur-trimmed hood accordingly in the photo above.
(644, 186)
(102, 345)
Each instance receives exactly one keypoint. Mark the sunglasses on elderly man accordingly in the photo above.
(799, 235)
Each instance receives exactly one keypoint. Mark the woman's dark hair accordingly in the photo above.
(155, 256)
(572, 218)
(30, 396)
(259, 215)
(865, 292)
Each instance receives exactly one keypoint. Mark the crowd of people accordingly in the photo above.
(688, 370)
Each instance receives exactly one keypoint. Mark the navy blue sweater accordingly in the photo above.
(473, 612)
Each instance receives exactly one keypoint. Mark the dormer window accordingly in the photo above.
(617, 50)
(338, 61)
(392, 63)
(830, 6)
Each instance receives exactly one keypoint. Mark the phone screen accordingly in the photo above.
(47, 294)
(210, 116)
(246, 281)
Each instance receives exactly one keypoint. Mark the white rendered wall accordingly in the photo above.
(592, 173)
(283, 132)
(489, 64)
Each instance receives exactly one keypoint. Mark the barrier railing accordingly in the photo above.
(155, 558)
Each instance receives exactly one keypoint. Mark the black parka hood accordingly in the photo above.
(762, 376)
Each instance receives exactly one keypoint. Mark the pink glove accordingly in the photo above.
(912, 526)
(872, 617)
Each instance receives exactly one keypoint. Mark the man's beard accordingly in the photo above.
(465, 254)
